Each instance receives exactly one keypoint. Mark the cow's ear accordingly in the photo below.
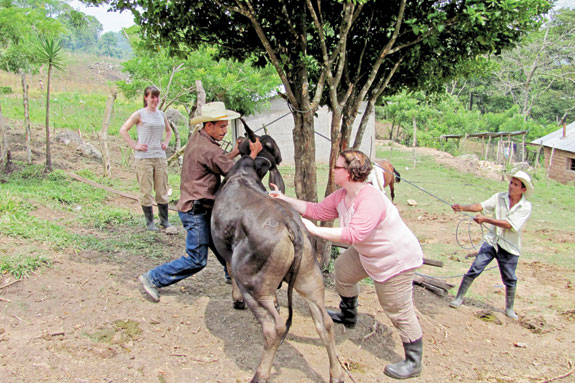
(277, 179)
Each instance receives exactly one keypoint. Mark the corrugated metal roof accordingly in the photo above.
(557, 141)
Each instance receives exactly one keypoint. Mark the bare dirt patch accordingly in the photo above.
(85, 320)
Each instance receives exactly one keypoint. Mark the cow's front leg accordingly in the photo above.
(236, 293)
(237, 296)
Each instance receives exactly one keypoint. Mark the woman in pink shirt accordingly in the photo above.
(381, 247)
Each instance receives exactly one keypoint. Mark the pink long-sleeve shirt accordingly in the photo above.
(373, 226)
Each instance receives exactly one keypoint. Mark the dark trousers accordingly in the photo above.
(507, 264)
(198, 240)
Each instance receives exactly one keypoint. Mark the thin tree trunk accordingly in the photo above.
(104, 135)
(414, 142)
(3, 143)
(176, 135)
(26, 117)
(200, 101)
(48, 167)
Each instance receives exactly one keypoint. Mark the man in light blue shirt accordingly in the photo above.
(511, 211)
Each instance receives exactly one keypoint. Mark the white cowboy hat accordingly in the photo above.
(523, 177)
(214, 111)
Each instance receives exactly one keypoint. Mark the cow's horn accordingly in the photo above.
(251, 135)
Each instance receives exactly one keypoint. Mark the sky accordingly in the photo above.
(111, 21)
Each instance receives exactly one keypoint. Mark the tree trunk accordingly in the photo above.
(338, 143)
(414, 141)
(200, 101)
(363, 123)
(3, 143)
(104, 135)
(304, 155)
(48, 167)
(176, 135)
(26, 117)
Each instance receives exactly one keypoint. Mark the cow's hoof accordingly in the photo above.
(258, 379)
(239, 305)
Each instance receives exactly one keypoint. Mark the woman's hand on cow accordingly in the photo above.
(309, 225)
(275, 193)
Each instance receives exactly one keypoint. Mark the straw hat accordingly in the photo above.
(523, 177)
(214, 111)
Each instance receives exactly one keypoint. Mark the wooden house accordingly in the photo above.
(559, 152)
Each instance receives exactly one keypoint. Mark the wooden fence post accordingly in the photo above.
(487, 149)
(550, 161)
(523, 148)
(104, 135)
(537, 156)
(414, 141)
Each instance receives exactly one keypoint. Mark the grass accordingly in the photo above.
(28, 191)
(20, 266)
(70, 110)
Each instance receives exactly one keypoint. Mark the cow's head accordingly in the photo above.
(267, 160)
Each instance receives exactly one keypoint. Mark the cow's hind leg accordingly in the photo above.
(273, 329)
(310, 286)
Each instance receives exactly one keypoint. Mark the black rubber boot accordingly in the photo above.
(510, 301)
(463, 287)
(411, 366)
(348, 314)
(163, 214)
(149, 214)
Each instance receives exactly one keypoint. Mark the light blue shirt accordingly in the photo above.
(517, 216)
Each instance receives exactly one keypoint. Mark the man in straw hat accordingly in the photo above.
(503, 241)
(204, 164)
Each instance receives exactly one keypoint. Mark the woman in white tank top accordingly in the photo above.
(150, 156)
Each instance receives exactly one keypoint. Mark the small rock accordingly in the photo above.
(172, 230)
(520, 345)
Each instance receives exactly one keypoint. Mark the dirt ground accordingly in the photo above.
(85, 320)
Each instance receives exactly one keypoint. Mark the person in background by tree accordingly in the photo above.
(381, 247)
(150, 153)
(204, 164)
(503, 241)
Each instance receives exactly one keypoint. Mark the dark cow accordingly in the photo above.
(264, 242)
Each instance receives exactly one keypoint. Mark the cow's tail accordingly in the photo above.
(298, 247)
(397, 175)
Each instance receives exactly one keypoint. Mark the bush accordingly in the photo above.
(5, 90)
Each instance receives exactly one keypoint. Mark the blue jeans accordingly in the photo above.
(198, 240)
(507, 264)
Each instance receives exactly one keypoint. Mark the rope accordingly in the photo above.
(468, 216)
(268, 124)
(469, 223)
(452, 276)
